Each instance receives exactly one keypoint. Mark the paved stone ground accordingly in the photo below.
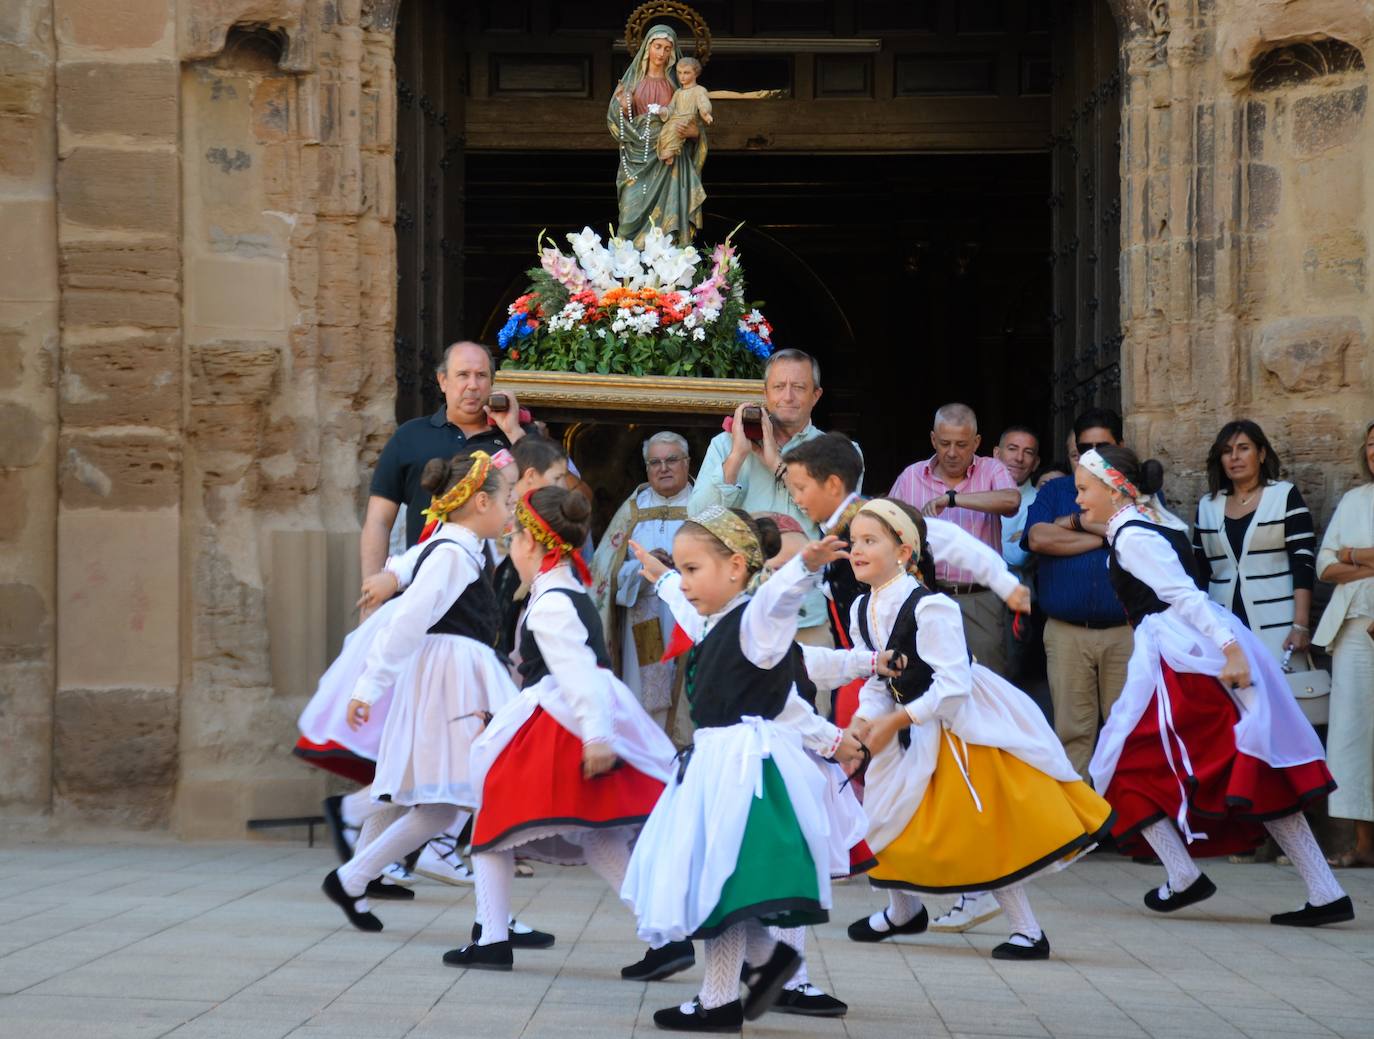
(212, 941)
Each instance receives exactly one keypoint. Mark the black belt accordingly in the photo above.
(1093, 625)
(950, 588)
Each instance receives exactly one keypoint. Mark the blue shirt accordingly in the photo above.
(397, 476)
(1071, 588)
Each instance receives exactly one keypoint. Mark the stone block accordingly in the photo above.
(1334, 265)
(227, 428)
(1315, 183)
(28, 249)
(25, 87)
(1307, 355)
(1264, 190)
(26, 150)
(133, 470)
(1329, 120)
(139, 100)
(115, 751)
(101, 25)
(340, 358)
(227, 292)
(26, 694)
(98, 309)
(22, 434)
(15, 515)
(122, 381)
(119, 598)
(110, 188)
(25, 623)
(118, 284)
(233, 372)
(271, 107)
(339, 301)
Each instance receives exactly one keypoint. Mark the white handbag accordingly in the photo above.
(1311, 688)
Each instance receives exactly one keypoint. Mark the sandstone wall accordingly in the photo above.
(1246, 225)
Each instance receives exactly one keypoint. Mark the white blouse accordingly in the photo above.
(552, 619)
(448, 570)
(939, 642)
(1150, 558)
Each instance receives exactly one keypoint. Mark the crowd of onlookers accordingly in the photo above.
(1256, 547)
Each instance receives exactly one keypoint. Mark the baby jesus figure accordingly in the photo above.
(689, 101)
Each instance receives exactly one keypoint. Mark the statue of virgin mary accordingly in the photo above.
(650, 191)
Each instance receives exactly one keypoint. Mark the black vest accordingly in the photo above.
(474, 612)
(806, 688)
(917, 676)
(723, 685)
(506, 582)
(1137, 597)
(532, 666)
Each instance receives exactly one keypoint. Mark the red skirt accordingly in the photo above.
(332, 757)
(536, 783)
(1230, 794)
(861, 859)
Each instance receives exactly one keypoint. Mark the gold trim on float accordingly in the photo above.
(658, 393)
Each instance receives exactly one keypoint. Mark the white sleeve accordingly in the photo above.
(628, 582)
(955, 547)
(562, 640)
(402, 567)
(447, 573)
(770, 618)
(669, 591)
(1149, 557)
(940, 643)
(816, 733)
(832, 668)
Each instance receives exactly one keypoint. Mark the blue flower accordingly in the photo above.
(754, 343)
(514, 328)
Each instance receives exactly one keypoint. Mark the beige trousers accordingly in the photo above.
(1350, 732)
(1086, 668)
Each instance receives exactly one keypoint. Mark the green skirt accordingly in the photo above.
(775, 876)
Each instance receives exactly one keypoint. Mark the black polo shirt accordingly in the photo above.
(397, 476)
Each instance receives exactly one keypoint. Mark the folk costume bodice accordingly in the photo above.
(533, 666)
(1138, 598)
(474, 613)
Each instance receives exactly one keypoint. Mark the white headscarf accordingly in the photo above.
(1114, 478)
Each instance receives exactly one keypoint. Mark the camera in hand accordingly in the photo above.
(499, 402)
(752, 416)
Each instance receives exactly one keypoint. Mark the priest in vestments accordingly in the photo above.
(638, 626)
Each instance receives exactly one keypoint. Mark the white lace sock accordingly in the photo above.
(376, 824)
(1017, 906)
(407, 833)
(759, 942)
(795, 937)
(902, 908)
(724, 958)
(1296, 839)
(608, 854)
(357, 806)
(1164, 838)
(493, 872)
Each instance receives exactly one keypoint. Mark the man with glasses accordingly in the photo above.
(636, 623)
(1087, 640)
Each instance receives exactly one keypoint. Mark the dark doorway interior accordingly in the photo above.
(915, 279)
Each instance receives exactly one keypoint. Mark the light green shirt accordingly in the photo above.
(756, 491)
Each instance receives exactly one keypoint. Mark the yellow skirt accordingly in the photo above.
(1029, 822)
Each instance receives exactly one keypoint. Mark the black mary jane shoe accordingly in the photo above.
(526, 939)
(332, 809)
(1039, 950)
(809, 1001)
(496, 956)
(765, 982)
(727, 1018)
(862, 931)
(1337, 912)
(660, 963)
(333, 890)
(1197, 891)
(389, 892)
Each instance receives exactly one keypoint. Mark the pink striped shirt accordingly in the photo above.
(920, 482)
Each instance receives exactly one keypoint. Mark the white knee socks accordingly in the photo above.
(1163, 837)
(357, 806)
(376, 824)
(902, 908)
(608, 854)
(1017, 906)
(1296, 839)
(724, 958)
(403, 836)
(795, 937)
(493, 871)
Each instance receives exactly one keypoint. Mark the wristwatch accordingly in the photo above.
(951, 496)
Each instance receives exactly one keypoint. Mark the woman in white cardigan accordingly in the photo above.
(1347, 630)
(1253, 537)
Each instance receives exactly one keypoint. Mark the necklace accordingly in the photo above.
(1248, 498)
(889, 582)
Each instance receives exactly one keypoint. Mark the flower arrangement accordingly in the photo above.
(660, 310)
